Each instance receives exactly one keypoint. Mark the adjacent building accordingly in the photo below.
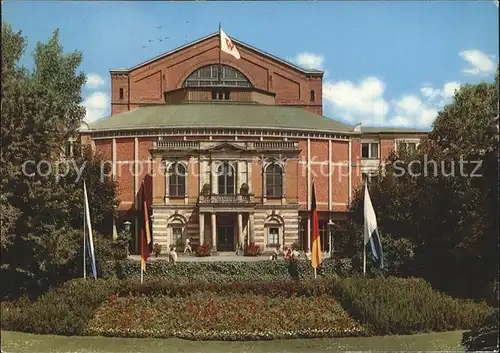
(227, 149)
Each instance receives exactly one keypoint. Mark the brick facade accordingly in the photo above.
(332, 161)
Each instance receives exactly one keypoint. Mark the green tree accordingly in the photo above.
(448, 223)
(40, 109)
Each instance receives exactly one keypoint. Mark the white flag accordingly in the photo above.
(89, 227)
(115, 231)
(371, 229)
(227, 45)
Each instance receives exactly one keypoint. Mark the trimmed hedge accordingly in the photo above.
(394, 305)
(380, 305)
(214, 272)
(65, 310)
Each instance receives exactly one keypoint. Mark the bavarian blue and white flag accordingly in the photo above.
(89, 227)
(371, 230)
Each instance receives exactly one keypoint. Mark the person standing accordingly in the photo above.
(274, 256)
(172, 256)
(187, 247)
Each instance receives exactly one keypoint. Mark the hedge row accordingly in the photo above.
(381, 305)
(214, 272)
(236, 316)
(394, 305)
(65, 310)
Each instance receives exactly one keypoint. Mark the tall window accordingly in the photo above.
(121, 93)
(177, 180)
(312, 95)
(369, 150)
(208, 76)
(274, 181)
(323, 235)
(273, 236)
(225, 179)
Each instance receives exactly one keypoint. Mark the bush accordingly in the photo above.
(64, 311)
(183, 272)
(483, 337)
(203, 250)
(403, 306)
(253, 250)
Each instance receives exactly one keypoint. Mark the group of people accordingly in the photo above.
(172, 255)
(289, 254)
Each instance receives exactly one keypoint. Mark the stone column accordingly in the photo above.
(202, 228)
(238, 178)
(250, 227)
(309, 220)
(213, 177)
(166, 182)
(240, 228)
(214, 230)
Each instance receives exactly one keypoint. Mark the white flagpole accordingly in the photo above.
(364, 257)
(364, 232)
(315, 273)
(142, 273)
(84, 247)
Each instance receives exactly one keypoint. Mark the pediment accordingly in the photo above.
(225, 147)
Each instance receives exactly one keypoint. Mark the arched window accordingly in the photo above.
(177, 180)
(225, 179)
(274, 231)
(208, 76)
(274, 180)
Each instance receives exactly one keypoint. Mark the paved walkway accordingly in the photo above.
(222, 256)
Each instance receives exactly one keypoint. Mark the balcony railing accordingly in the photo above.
(176, 145)
(224, 199)
(275, 145)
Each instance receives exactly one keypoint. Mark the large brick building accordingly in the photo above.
(228, 153)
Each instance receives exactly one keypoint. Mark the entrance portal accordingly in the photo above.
(225, 233)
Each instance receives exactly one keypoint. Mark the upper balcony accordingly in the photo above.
(177, 145)
(214, 199)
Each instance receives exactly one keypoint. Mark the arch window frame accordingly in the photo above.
(177, 180)
(208, 76)
(274, 180)
(226, 179)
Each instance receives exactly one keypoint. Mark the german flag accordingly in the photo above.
(145, 233)
(316, 240)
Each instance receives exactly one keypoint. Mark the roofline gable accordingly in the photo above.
(216, 34)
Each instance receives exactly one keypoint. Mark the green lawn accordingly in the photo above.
(14, 342)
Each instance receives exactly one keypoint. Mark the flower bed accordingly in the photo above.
(205, 316)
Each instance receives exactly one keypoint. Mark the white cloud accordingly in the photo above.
(94, 81)
(309, 60)
(361, 102)
(480, 63)
(439, 97)
(411, 110)
(97, 105)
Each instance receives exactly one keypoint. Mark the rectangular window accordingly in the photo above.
(369, 150)
(227, 96)
(312, 95)
(273, 236)
(121, 93)
(410, 147)
(214, 95)
(323, 235)
(176, 236)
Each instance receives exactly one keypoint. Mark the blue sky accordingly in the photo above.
(386, 63)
